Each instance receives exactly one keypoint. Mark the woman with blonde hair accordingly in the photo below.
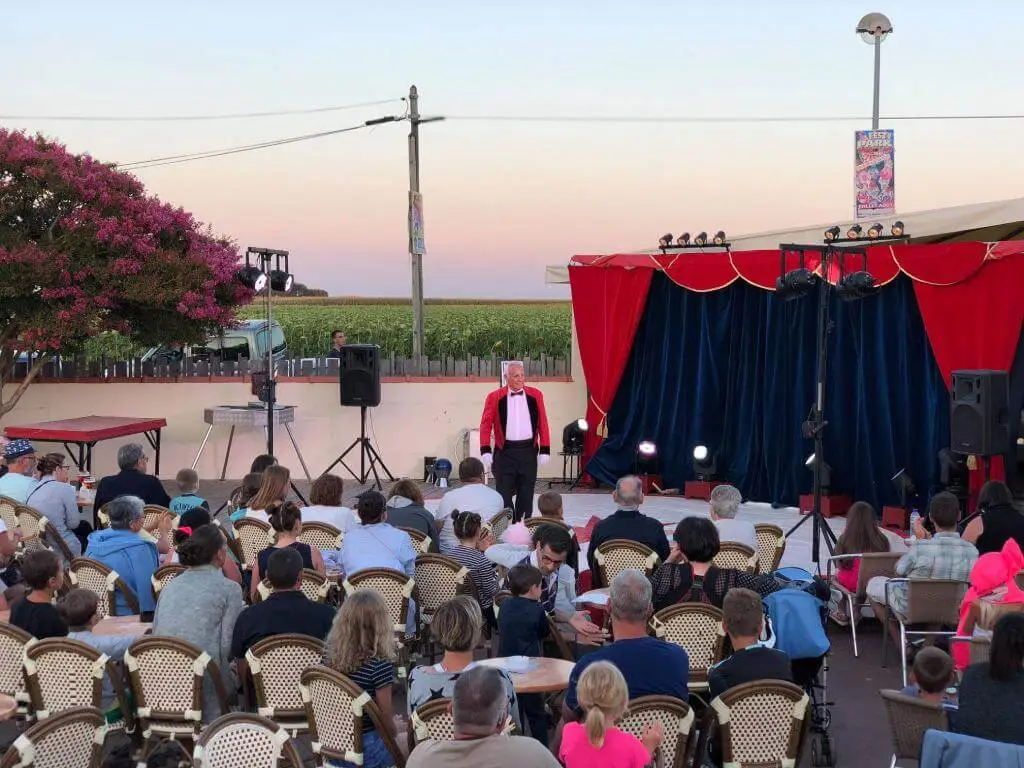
(273, 490)
(603, 694)
(361, 644)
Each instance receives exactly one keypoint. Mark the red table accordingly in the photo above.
(86, 431)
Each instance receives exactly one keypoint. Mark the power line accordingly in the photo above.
(716, 119)
(186, 118)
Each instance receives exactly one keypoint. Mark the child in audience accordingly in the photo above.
(188, 484)
(80, 609)
(596, 742)
(168, 754)
(361, 645)
(522, 625)
(516, 543)
(861, 535)
(43, 573)
(930, 675)
(549, 505)
(249, 488)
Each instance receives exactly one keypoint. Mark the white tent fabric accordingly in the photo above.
(983, 222)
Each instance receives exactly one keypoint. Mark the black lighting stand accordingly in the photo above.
(570, 460)
(369, 459)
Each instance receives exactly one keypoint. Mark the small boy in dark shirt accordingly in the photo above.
(522, 625)
(43, 572)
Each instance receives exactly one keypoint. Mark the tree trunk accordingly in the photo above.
(7, 403)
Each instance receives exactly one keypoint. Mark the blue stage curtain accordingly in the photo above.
(735, 370)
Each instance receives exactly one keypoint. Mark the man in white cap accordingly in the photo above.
(21, 463)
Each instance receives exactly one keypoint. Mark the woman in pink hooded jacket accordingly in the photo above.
(993, 584)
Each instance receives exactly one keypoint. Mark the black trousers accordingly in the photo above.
(533, 714)
(515, 474)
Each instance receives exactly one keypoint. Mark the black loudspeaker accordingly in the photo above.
(360, 375)
(978, 418)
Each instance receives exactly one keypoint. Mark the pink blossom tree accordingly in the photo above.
(83, 250)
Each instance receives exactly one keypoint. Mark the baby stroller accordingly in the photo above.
(795, 625)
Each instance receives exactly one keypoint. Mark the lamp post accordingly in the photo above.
(873, 29)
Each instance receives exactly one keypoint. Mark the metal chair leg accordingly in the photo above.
(885, 636)
(903, 652)
(853, 623)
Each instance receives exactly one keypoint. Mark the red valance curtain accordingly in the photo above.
(607, 305)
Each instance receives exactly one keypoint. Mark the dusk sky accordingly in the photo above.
(502, 199)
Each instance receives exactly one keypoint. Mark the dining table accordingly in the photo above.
(114, 626)
(542, 675)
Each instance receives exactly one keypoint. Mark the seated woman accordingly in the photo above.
(688, 576)
(993, 585)
(406, 510)
(376, 543)
(190, 521)
(861, 535)
(998, 520)
(325, 504)
(991, 698)
(286, 520)
(274, 486)
(57, 500)
(473, 541)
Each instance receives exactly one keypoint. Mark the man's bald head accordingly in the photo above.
(629, 492)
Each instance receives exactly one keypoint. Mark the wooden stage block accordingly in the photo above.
(700, 489)
(831, 506)
(897, 518)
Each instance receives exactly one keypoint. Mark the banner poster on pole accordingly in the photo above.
(874, 188)
(417, 244)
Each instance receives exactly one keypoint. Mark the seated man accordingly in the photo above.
(480, 709)
(474, 495)
(132, 480)
(743, 620)
(287, 609)
(122, 549)
(725, 503)
(627, 523)
(18, 481)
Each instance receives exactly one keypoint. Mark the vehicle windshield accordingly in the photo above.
(276, 337)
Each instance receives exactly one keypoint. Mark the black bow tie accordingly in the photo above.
(515, 394)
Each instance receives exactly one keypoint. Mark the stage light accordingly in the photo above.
(824, 469)
(701, 239)
(875, 231)
(573, 436)
(854, 232)
(897, 229)
(953, 472)
(646, 458)
(281, 281)
(856, 285)
(442, 471)
(832, 233)
(647, 449)
(705, 464)
(700, 453)
(719, 237)
(683, 240)
(665, 240)
(795, 284)
(904, 486)
(253, 277)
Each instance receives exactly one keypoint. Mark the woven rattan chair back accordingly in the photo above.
(72, 739)
(771, 546)
(909, 718)
(243, 740)
(164, 576)
(9, 513)
(934, 601)
(254, 536)
(13, 641)
(63, 674)
(151, 514)
(32, 525)
(697, 628)
(875, 564)
(675, 716)
(321, 536)
(761, 723)
(499, 523)
(420, 541)
(394, 586)
(438, 580)
(616, 555)
(314, 585)
(537, 522)
(434, 720)
(739, 557)
(276, 664)
(103, 582)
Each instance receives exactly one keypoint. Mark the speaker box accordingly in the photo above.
(979, 418)
(360, 375)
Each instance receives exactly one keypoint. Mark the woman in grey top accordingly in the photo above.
(55, 498)
(201, 606)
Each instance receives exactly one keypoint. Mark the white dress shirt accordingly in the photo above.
(518, 425)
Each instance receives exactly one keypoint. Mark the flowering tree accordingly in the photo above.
(84, 250)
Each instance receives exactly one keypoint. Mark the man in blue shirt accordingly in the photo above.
(650, 666)
(21, 462)
(122, 549)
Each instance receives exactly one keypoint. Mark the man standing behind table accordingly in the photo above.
(516, 416)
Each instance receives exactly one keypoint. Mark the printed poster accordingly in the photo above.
(874, 188)
(417, 245)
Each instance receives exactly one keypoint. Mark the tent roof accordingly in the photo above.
(984, 222)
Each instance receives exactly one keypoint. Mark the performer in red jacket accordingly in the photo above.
(516, 416)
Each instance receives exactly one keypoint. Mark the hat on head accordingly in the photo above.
(17, 448)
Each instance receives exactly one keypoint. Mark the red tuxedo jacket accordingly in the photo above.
(495, 417)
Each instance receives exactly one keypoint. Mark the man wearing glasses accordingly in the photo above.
(132, 480)
(21, 463)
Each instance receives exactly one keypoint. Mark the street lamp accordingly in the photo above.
(873, 29)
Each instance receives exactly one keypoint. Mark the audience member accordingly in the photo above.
(998, 520)
(18, 481)
(931, 673)
(991, 697)
(80, 610)
(274, 484)
(325, 504)
(122, 549)
(516, 543)
(603, 694)
(376, 543)
(286, 609)
(55, 498)
(725, 503)
(361, 645)
(191, 520)
(406, 510)
(688, 575)
(201, 607)
(480, 708)
(650, 666)
(188, 496)
(861, 535)
(286, 520)
(743, 620)
(132, 480)
(246, 493)
(522, 627)
(993, 585)
(627, 523)
(473, 495)
(944, 556)
(549, 504)
(473, 540)
(43, 573)
(457, 626)
(261, 462)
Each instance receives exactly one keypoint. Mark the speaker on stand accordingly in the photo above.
(979, 423)
(359, 382)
